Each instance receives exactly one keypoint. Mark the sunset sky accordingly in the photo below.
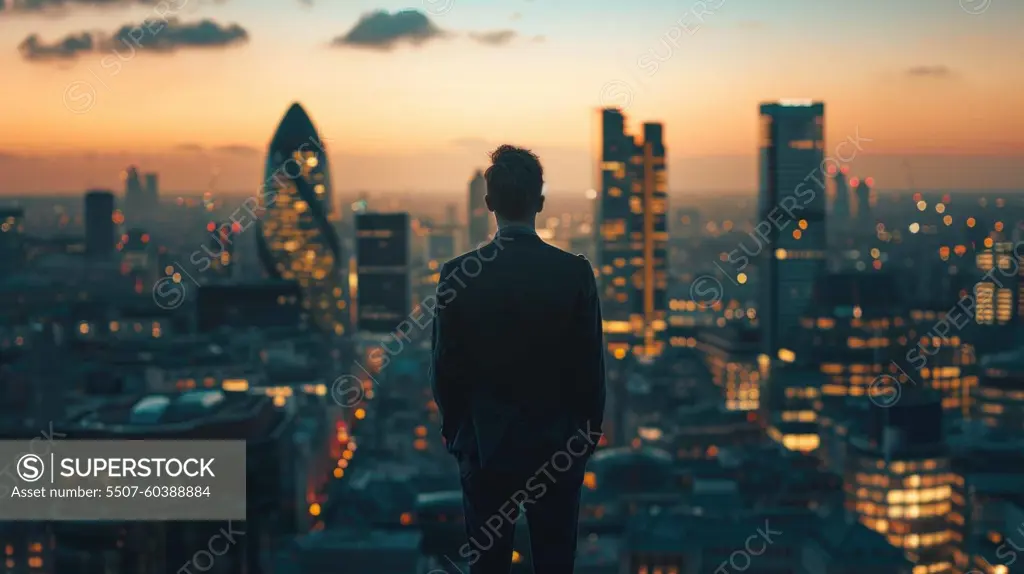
(412, 102)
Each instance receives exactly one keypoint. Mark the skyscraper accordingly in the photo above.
(100, 234)
(841, 203)
(382, 252)
(478, 215)
(632, 234)
(792, 203)
(295, 240)
(152, 192)
(134, 196)
(863, 188)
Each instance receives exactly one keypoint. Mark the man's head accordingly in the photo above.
(514, 183)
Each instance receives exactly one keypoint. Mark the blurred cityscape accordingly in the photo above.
(824, 378)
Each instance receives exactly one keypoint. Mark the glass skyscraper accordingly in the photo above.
(296, 241)
(791, 210)
(632, 235)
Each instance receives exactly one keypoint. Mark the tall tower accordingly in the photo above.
(632, 236)
(296, 241)
(841, 203)
(863, 197)
(479, 217)
(648, 203)
(134, 196)
(152, 192)
(792, 196)
(100, 234)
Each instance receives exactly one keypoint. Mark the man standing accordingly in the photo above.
(518, 376)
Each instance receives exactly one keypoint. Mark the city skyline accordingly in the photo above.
(919, 79)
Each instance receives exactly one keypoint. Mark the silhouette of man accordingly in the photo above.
(518, 377)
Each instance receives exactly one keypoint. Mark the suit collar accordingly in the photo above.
(516, 231)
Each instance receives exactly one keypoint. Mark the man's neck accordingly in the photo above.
(505, 224)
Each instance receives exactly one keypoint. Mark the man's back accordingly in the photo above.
(518, 376)
(520, 316)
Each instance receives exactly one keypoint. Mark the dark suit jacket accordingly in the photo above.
(518, 352)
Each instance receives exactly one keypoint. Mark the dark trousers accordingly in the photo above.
(551, 500)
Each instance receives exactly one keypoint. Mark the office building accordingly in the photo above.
(479, 218)
(731, 357)
(135, 198)
(384, 284)
(792, 200)
(863, 193)
(632, 235)
(998, 400)
(152, 192)
(899, 479)
(841, 201)
(257, 305)
(295, 239)
(100, 231)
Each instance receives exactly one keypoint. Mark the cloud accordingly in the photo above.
(516, 16)
(170, 35)
(61, 7)
(189, 148)
(383, 30)
(495, 38)
(158, 35)
(929, 72)
(34, 49)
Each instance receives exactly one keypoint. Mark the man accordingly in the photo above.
(518, 376)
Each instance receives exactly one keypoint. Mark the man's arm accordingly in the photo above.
(444, 380)
(590, 382)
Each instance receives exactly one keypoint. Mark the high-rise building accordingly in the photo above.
(841, 203)
(100, 233)
(632, 235)
(792, 202)
(152, 192)
(296, 241)
(863, 191)
(134, 195)
(899, 479)
(384, 283)
(479, 217)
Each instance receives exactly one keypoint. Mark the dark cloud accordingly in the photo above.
(383, 30)
(155, 35)
(929, 72)
(167, 36)
(494, 38)
(32, 48)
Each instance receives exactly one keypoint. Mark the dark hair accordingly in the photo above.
(514, 182)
